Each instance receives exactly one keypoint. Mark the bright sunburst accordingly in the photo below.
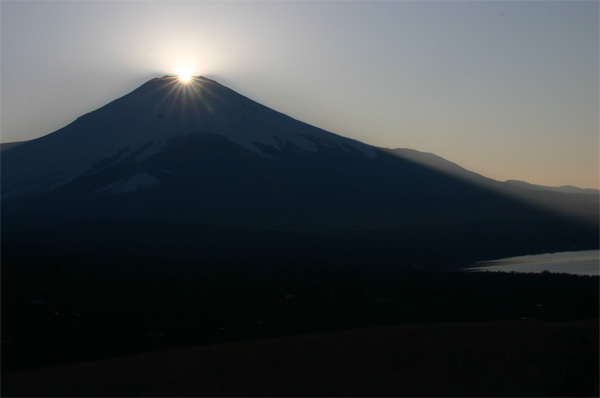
(184, 73)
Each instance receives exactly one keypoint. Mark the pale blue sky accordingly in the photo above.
(506, 89)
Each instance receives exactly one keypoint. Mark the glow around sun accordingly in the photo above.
(184, 73)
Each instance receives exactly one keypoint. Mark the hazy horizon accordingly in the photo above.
(506, 89)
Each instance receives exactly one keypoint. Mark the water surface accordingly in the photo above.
(585, 262)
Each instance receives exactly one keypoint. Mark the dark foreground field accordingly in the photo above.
(501, 358)
(139, 326)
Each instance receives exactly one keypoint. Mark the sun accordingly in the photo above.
(184, 73)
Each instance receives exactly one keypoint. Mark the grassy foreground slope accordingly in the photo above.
(499, 358)
(136, 326)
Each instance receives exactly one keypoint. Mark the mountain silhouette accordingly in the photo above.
(199, 169)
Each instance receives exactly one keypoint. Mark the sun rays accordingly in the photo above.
(182, 99)
(184, 73)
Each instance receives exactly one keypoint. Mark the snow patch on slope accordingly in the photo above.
(269, 127)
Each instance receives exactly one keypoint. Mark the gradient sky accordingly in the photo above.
(506, 89)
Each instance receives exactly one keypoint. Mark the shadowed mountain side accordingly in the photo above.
(212, 197)
(201, 169)
(207, 178)
(144, 121)
(580, 203)
(577, 203)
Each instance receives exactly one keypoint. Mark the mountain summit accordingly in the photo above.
(198, 167)
(147, 121)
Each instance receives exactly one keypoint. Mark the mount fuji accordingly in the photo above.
(199, 169)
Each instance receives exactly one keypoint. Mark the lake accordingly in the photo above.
(585, 262)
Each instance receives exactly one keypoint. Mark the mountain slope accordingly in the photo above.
(201, 169)
(143, 123)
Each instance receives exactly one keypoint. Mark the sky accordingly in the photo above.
(508, 89)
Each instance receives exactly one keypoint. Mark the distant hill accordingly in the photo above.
(563, 188)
